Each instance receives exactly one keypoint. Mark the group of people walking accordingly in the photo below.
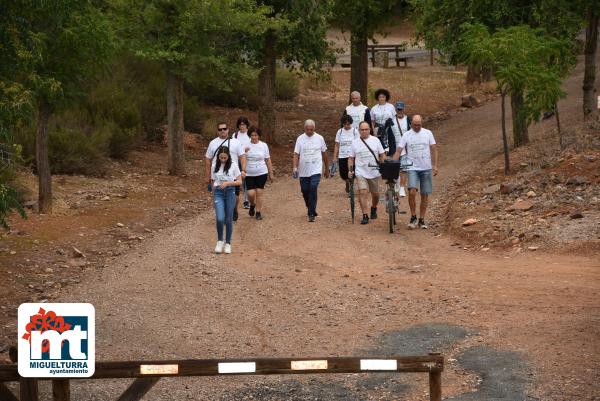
(367, 137)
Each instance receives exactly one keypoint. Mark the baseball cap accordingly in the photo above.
(400, 105)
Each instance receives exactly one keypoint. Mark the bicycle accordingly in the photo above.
(390, 171)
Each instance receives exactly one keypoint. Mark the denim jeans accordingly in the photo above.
(308, 186)
(224, 203)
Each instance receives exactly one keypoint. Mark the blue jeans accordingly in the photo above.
(224, 203)
(308, 186)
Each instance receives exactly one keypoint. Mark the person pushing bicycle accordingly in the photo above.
(366, 150)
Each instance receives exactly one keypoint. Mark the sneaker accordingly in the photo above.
(219, 247)
(365, 219)
(413, 222)
(422, 224)
(235, 214)
(251, 211)
(246, 205)
(316, 214)
(227, 248)
(258, 216)
(311, 219)
(402, 192)
(373, 213)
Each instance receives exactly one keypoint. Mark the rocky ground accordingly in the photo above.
(551, 200)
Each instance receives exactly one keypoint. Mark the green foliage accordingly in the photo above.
(242, 90)
(524, 60)
(439, 22)
(9, 201)
(363, 16)
(287, 85)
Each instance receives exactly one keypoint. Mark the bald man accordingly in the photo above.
(421, 153)
(358, 111)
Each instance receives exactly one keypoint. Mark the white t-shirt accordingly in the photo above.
(344, 138)
(363, 157)
(256, 159)
(357, 113)
(244, 139)
(235, 148)
(310, 149)
(221, 176)
(380, 114)
(417, 148)
(403, 123)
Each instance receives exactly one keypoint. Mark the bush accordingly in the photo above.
(193, 116)
(287, 85)
(73, 152)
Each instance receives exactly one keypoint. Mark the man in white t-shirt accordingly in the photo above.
(310, 155)
(238, 156)
(366, 152)
(241, 135)
(403, 124)
(421, 151)
(358, 111)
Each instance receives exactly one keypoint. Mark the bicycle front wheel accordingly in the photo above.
(391, 209)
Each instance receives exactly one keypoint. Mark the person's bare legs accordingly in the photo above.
(423, 206)
(259, 199)
(374, 199)
(412, 201)
(252, 196)
(363, 198)
(403, 179)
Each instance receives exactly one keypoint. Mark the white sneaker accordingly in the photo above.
(227, 248)
(402, 192)
(219, 247)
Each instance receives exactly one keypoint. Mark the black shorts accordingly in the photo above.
(257, 182)
(343, 168)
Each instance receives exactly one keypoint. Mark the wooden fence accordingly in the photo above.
(147, 373)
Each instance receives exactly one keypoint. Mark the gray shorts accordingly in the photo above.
(421, 180)
(372, 184)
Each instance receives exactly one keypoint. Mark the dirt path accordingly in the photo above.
(518, 326)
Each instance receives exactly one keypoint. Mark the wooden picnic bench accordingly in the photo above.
(396, 49)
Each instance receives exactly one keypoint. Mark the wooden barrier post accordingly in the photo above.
(28, 389)
(435, 383)
(61, 390)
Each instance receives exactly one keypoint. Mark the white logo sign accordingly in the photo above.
(56, 340)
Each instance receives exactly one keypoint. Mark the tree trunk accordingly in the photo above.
(42, 162)
(267, 119)
(560, 138)
(359, 59)
(473, 74)
(175, 121)
(504, 136)
(590, 107)
(519, 118)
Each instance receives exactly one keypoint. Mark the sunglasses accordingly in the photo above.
(222, 129)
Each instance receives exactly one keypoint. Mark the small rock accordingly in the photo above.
(532, 248)
(491, 189)
(485, 249)
(523, 164)
(521, 205)
(106, 198)
(13, 252)
(469, 101)
(578, 180)
(576, 214)
(77, 253)
(531, 194)
(469, 222)
(76, 262)
(506, 188)
(30, 204)
(590, 158)
(120, 225)
(49, 270)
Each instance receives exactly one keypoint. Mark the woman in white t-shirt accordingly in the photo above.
(225, 177)
(383, 120)
(343, 146)
(242, 135)
(258, 169)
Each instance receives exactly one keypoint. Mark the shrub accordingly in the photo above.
(287, 84)
(72, 151)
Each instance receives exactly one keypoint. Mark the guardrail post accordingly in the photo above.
(435, 383)
(28, 389)
(61, 390)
